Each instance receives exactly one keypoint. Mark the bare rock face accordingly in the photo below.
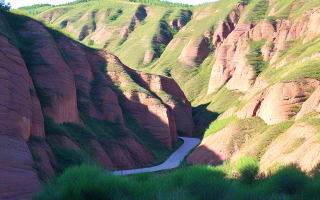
(230, 58)
(155, 114)
(214, 149)
(243, 76)
(105, 99)
(151, 114)
(275, 104)
(313, 26)
(121, 158)
(138, 152)
(195, 52)
(177, 23)
(101, 155)
(305, 152)
(81, 69)
(20, 117)
(262, 30)
(18, 180)
(148, 57)
(52, 75)
(312, 104)
(222, 32)
(41, 149)
(174, 98)
(20, 110)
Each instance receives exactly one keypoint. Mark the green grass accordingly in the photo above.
(197, 182)
(160, 3)
(298, 142)
(255, 58)
(218, 125)
(257, 11)
(248, 169)
(223, 100)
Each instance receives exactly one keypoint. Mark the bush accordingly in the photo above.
(87, 182)
(248, 168)
(288, 180)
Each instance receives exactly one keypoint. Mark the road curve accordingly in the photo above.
(172, 162)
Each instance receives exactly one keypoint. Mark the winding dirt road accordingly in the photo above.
(172, 162)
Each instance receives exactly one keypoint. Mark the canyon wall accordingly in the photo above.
(62, 102)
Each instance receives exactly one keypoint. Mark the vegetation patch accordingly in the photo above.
(218, 125)
(297, 143)
(255, 58)
(197, 182)
(258, 11)
(161, 3)
(248, 169)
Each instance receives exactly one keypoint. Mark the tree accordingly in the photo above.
(4, 6)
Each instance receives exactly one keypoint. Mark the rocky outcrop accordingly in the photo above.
(222, 32)
(149, 56)
(298, 145)
(230, 57)
(195, 52)
(312, 104)
(101, 155)
(263, 30)
(214, 149)
(20, 118)
(51, 74)
(151, 114)
(276, 104)
(18, 180)
(173, 97)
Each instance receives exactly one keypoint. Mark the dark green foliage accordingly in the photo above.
(116, 15)
(63, 24)
(165, 35)
(91, 43)
(102, 131)
(258, 12)
(289, 180)
(197, 182)
(32, 142)
(167, 72)
(273, 21)
(255, 58)
(83, 33)
(245, 2)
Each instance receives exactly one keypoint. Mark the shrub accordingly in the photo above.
(87, 182)
(91, 43)
(288, 180)
(248, 168)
